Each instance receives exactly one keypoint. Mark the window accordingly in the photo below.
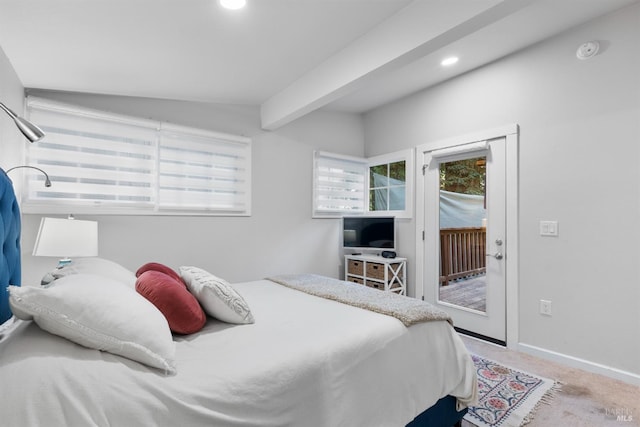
(387, 186)
(391, 184)
(106, 163)
(338, 184)
(377, 186)
(199, 170)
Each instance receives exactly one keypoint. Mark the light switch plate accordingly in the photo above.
(548, 228)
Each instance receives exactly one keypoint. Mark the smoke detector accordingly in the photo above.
(588, 50)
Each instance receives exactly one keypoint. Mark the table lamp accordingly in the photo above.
(65, 238)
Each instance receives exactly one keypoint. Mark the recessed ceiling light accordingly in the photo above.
(449, 61)
(233, 4)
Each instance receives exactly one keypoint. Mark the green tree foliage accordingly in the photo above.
(464, 176)
(382, 178)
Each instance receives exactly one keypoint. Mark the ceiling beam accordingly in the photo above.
(405, 37)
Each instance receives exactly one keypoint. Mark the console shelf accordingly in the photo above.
(386, 274)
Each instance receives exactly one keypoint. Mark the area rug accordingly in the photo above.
(507, 397)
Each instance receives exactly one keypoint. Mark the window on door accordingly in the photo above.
(463, 233)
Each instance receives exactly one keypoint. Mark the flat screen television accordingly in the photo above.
(369, 233)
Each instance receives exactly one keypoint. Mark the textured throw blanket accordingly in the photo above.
(407, 310)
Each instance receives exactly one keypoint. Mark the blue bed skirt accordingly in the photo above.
(442, 414)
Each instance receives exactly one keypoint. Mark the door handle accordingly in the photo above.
(497, 255)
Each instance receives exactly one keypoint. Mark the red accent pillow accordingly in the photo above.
(175, 302)
(156, 266)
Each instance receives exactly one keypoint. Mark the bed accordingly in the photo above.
(292, 359)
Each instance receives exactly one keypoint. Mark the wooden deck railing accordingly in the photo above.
(462, 253)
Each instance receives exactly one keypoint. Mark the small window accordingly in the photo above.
(389, 189)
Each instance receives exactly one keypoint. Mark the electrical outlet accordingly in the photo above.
(545, 307)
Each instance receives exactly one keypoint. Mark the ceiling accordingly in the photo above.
(289, 57)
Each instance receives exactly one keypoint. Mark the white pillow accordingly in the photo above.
(101, 313)
(216, 296)
(99, 267)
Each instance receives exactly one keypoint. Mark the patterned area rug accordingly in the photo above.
(507, 397)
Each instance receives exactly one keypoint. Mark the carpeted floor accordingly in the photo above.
(584, 400)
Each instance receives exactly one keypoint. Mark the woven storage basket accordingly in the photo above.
(355, 267)
(376, 285)
(375, 270)
(356, 280)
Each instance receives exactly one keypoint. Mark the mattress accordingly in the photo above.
(306, 361)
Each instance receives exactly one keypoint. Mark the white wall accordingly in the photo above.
(279, 237)
(12, 96)
(579, 154)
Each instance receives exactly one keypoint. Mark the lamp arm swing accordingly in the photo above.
(47, 181)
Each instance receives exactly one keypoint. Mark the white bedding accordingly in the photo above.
(305, 361)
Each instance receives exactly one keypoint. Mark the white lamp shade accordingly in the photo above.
(60, 237)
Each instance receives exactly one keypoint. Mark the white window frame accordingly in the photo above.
(365, 164)
(385, 159)
(220, 186)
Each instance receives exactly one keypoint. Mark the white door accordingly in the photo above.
(465, 235)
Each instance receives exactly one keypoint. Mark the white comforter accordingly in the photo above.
(305, 362)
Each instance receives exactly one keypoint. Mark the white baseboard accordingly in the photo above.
(586, 365)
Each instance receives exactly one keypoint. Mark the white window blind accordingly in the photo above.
(338, 184)
(121, 164)
(200, 171)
